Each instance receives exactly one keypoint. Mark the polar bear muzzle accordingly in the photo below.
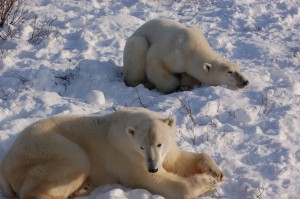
(241, 80)
(151, 166)
(152, 158)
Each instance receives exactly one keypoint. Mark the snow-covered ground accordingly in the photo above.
(253, 134)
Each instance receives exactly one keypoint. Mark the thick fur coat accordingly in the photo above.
(166, 54)
(67, 156)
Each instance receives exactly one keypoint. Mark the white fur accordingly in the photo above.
(59, 156)
(161, 48)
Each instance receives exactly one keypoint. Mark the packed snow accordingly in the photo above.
(253, 133)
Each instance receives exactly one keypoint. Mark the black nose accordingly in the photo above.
(246, 83)
(153, 170)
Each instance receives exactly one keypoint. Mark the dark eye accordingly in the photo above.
(229, 72)
(159, 145)
(142, 148)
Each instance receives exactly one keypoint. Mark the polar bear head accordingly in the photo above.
(224, 72)
(151, 135)
(216, 71)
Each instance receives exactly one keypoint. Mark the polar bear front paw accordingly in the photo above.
(207, 165)
(212, 170)
(83, 190)
(216, 173)
(200, 184)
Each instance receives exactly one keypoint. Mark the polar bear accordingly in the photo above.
(66, 156)
(162, 49)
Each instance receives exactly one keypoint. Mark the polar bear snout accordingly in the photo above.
(152, 168)
(240, 80)
(245, 83)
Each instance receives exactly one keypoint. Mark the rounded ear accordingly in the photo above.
(130, 131)
(171, 121)
(207, 67)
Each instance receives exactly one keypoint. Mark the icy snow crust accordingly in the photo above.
(253, 134)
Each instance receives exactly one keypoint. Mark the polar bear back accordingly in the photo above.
(165, 54)
(175, 36)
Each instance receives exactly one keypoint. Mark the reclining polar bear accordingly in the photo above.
(161, 49)
(66, 156)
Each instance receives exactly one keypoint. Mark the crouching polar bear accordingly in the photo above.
(66, 156)
(162, 49)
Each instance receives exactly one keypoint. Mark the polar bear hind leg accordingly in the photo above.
(134, 69)
(157, 74)
(59, 175)
(32, 188)
(6, 188)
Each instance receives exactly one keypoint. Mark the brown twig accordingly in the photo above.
(42, 31)
(266, 106)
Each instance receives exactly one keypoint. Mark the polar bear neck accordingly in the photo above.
(172, 157)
